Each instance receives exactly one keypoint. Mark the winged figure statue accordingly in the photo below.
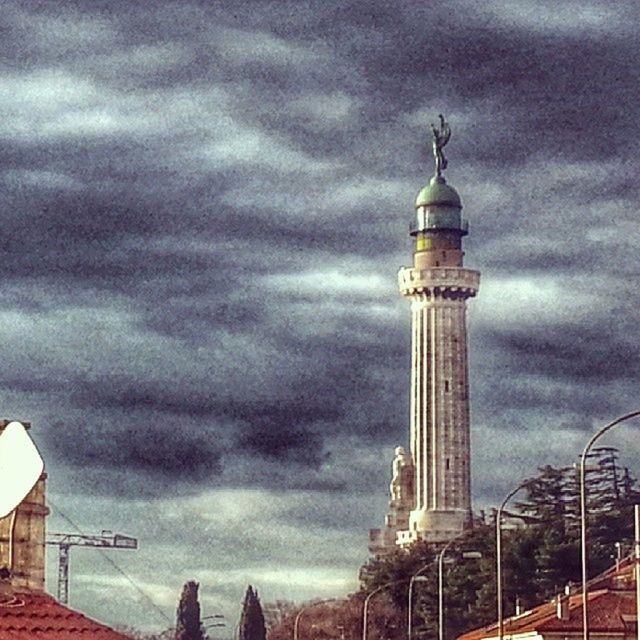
(441, 136)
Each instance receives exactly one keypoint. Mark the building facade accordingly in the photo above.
(22, 538)
(431, 486)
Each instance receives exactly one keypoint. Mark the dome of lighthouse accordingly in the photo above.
(438, 192)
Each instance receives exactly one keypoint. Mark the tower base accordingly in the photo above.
(434, 526)
(383, 541)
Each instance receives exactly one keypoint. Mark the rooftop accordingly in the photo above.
(612, 609)
(30, 616)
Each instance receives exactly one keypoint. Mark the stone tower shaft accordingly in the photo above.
(439, 418)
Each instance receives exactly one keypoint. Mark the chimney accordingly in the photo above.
(562, 604)
(518, 606)
(22, 539)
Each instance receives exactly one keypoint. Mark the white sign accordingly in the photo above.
(20, 466)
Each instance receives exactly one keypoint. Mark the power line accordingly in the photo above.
(110, 560)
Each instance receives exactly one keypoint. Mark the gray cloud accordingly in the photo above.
(202, 214)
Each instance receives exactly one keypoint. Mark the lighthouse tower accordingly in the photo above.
(435, 505)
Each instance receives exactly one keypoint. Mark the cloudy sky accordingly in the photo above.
(203, 209)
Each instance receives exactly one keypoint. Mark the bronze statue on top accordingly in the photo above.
(440, 138)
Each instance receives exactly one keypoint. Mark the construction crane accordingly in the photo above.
(64, 541)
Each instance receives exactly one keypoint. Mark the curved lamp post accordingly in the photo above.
(441, 590)
(365, 609)
(415, 577)
(465, 554)
(636, 549)
(583, 515)
(510, 495)
(296, 623)
(218, 616)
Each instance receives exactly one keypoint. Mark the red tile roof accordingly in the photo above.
(30, 616)
(606, 612)
(612, 608)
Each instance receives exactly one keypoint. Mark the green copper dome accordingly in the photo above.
(438, 192)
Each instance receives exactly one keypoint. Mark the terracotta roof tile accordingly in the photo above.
(608, 610)
(30, 616)
(611, 608)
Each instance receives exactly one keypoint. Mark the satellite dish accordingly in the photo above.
(20, 466)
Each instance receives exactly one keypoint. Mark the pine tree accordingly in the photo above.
(546, 498)
(188, 624)
(540, 554)
(252, 625)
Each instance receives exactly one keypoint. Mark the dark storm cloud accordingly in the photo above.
(276, 440)
(435, 54)
(572, 352)
(190, 397)
(202, 210)
(165, 164)
(283, 425)
(164, 449)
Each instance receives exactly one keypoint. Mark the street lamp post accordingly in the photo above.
(365, 608)
(218, 617)
(213, 626)
(465, 554)
(441, 590)
(583, 515)
(296, 622)
(416, 577)
(522, 485)
(636, 549)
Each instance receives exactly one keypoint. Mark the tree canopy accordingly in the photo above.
(541, 549)
(541, 556)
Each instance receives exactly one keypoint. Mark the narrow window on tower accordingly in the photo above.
(447, 464)
(446, 386)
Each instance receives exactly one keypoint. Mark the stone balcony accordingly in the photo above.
(438, 279)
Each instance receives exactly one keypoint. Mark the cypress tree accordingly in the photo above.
(252, 619)
(188, 624)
